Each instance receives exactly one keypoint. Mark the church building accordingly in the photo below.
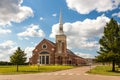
(50, 53)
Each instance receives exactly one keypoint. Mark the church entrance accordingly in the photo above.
(44, 58)
(69, 62)
(60, 62)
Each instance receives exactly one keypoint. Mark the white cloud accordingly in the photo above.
(32, 31)
(6, 50)
(116, 14)
(84, 55)
(82, 35)
(13, 11)
(4, 31)
(28, 51)
(86, 6)
(54, 15)
(41, 18)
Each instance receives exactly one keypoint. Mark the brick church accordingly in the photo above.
(49, 53)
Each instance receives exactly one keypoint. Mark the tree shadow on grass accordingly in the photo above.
(117, 71)
(4, 67)
(35, 71)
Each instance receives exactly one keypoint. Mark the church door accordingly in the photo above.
(60, 60)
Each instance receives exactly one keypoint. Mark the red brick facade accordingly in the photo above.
(68, 58)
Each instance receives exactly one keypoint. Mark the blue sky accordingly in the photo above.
(25, 23)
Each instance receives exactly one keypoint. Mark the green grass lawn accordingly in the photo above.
(105, 70)
(31, 69)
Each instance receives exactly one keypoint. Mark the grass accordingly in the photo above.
(105, 70)
(31, 69)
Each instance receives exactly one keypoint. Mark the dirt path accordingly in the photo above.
(71, 74)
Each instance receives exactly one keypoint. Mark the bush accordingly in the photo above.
(5, 63)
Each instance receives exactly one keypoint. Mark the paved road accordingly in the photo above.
(71, 74)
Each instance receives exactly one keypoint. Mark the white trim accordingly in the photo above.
(45, 59)
(41, 60)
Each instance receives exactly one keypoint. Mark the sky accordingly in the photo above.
(24, 23)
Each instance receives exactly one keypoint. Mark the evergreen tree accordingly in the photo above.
(110, 44)
(18, 58)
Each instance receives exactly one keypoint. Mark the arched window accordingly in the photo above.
(59, 46)
(44, 52)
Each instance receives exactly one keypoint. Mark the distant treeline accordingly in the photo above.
(9, 63)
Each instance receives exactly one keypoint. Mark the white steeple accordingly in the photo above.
(60, 19)
(61, 32)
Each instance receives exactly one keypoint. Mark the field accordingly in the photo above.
(31, 69)
(105, 70)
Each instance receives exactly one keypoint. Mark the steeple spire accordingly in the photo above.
(61, 32)
(60, 20)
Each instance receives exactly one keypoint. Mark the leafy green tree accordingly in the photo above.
(18, 58)
(110, 44)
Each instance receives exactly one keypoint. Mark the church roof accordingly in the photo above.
(70, 52)
(50, 42)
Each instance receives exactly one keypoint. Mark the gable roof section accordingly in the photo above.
(46, 40)
(70, 52)
(50, 42)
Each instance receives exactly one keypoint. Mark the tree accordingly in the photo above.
(110, 44)
(18, 58)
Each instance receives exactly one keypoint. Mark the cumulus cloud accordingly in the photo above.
(13, 11)
(83, 34)
(84, 55)
(116, 14)
(32, 31)
(4, 31)
(28, 51)
(6, 50)
(86, 6)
